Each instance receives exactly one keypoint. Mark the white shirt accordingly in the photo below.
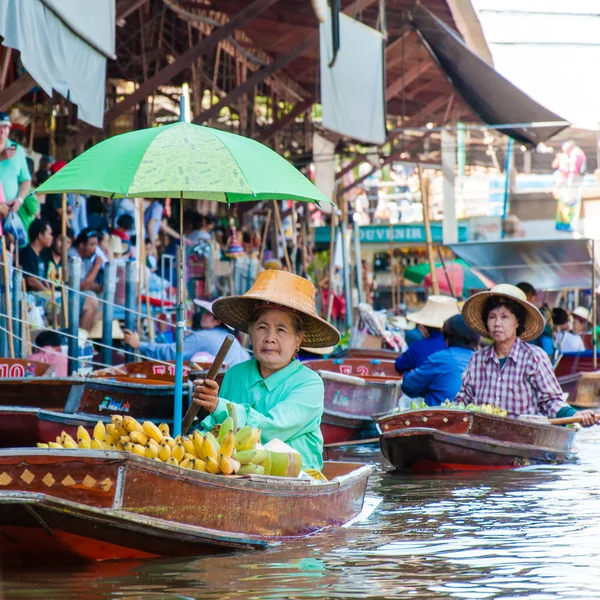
(567, 341)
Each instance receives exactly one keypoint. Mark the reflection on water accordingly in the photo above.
(532, 533)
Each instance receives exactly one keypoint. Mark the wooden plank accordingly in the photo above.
(404, 81)
(126, 7)
(298, 109)
(16, 90)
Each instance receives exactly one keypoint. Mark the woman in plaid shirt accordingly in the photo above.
(511, 374)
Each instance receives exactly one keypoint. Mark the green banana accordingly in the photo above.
(226, 425)
(242, 437)
(245, 457)
(251, 469)
(232, 412)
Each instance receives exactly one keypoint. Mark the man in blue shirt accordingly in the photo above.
(208, 339)
(429, 320)
(440, 377)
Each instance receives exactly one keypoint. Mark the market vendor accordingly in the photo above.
(511, 374)
(430, 320)
(273, 390)
(440, 377)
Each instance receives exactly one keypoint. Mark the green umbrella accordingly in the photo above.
(183, 161)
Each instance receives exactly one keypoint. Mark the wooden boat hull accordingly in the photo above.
(453, 440)
(360, 367)
(109, 505)
(351, 401)
(583, 389)
(570, 364)
(369, 353)
(21, 368)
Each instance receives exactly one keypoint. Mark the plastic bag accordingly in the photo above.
(13, 225)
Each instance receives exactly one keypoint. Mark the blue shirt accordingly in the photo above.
(206, 340)
(439, 378)
(13, 172)
(419, 352)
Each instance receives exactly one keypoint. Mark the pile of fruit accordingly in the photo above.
(226, 450)
(488, 409)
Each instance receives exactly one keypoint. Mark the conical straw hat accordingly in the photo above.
(473, 311)
(437, 310)
(283, 289)
(96, 331)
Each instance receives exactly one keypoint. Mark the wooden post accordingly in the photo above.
(392, 281)
(594, 307)
(304, 226)
(64, 261)
(27, 340)
(424, 186)
(141, 247)
(280, 228)
(8, 303)
(263, 241)
(332, 236)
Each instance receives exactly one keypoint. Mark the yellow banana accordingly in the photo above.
(118, 423)
(187, 463)
(54, 445)
(208, 449)
(212, 466)
(172, 461)
(99, 431)
(96, 445)
(154, 443)
(199, 445)
(199, 465)
(151, 451)
(131, 424)
(70, 445)
(190, 456)
(65, 437)
(139, 450)
(82, 434)
(83, 443)
(227, 445)
(226, 427)
(235, 465)
(188, 445)
(169, 440)
(111, 440)
(124, 439)
(251, 441)
(213, 440)
(111, 429)
(225, 465)
(152, 431)
(128, 447)
(138, 437)
(178, 452)
(165, 452)
(106, 445)
(164, 429)
(42, 445)
(59, 440)
(242, 436)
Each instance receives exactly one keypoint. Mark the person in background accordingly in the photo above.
(77, 207)
(14, 172)
(52, 207)
(124, 225)
(31, 258)
(511, 374)
(564, 340)
(581, 320)
(43, 171)
(209, 339)
(49, 352)
(85, 247)
(440, 377)
(546, 340)
(153, 218)
(29, 211)
(430, 320)
(53, 257)
(205, 232)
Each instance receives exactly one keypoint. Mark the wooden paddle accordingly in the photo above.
(569, 420)
(192, 411)
(364, 442)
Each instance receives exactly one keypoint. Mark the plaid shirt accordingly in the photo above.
(526, 385)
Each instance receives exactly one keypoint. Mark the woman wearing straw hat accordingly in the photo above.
(274, 391)
(430, 320)
(511, 374)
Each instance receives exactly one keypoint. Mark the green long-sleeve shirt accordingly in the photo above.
(288, 405)
(27, 212)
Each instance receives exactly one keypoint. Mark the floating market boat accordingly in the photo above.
(361, 367)
(150, 371)
(351, 402)
(21, 368)
(435, 440)
(369, 353)
(571, 364)
(583, 389)
(37, 409)
(58, 505)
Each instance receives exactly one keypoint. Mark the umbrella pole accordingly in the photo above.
(424, 186)
(594, 307)
(450, 287)
(392, 282)
(179, 331)
(332, 237)
(263, 241)
(64, 261)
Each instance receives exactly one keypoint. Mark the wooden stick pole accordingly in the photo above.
(392, 282)
(141, 247)
(450, 286)
(263, 241)
(304, 226)
(5, 272)
(64, 261)
(594, 307)
(27, 345)
(332, 236)
(280, 228)
(54, 315)
(424, 185)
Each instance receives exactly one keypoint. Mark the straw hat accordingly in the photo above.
(116, 245)
(437, 310)
(582, 313)
(96, 331)
(208, 307)
(283, 289)
(473, 309)
(401, 322)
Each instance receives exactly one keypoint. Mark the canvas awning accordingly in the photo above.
(546, 264)
(64, 46)
(489, 94)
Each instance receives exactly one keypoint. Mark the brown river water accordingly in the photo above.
(529, 533)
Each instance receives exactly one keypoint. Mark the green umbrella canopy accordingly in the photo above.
(183, 160)
(417, 273)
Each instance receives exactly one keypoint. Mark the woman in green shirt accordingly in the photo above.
(273, 390)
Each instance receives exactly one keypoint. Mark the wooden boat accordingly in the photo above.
(150, 371)
(20, 368)
(361, 367)
(95, 505)
(454, 440)
(350, 403)
(583, 389)
(38, 409)
(369, 353)
(571, 364)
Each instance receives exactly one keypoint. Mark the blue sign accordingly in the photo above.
(402, 233)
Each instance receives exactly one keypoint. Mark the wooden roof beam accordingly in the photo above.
(299, 108)
(404, 81)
